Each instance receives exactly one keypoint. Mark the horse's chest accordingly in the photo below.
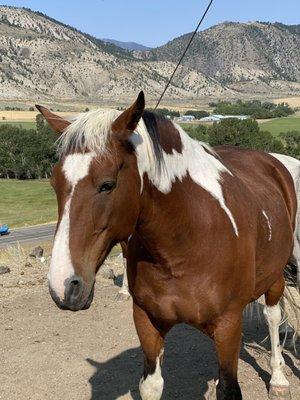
(167, 297)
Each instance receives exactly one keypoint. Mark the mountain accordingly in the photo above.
(131, 46)
(242, 56)
(41, 58)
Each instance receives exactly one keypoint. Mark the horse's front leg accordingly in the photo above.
(227, 335)
(152, 342)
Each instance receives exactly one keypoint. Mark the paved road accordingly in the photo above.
(28, 235)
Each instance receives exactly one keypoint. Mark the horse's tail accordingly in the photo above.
(291, 311)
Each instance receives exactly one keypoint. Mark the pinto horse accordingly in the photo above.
(210, 230)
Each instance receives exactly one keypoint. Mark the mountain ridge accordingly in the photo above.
(130, 46)
(45, 58)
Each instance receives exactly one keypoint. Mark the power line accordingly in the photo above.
(184, 53)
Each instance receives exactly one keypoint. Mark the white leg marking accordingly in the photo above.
(273, 317)
(75, 168)
(269, 224)
(124, 291)
(151, 388)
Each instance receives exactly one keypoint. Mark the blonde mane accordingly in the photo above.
(88, 131)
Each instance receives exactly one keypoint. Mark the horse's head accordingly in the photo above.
(97, 185)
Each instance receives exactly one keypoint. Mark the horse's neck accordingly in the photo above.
(163, 222)
(172, 193)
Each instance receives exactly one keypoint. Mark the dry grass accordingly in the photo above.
(292, 101)
(24, 270)
(24, 115)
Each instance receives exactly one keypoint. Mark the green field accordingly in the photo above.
(23, 124)
(279, 125)
(27, 202)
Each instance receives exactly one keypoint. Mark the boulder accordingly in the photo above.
(4, 269)
(37, 252)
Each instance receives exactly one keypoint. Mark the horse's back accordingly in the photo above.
(272, 203)
(262, 172)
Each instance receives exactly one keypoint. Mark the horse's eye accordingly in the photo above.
(107, 187)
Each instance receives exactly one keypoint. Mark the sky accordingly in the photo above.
(155, 22)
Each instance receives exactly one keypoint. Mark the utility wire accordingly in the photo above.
(184, 53)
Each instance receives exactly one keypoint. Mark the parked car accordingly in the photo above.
(4, 229)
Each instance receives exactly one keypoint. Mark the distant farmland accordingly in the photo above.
(279, 125)
(23, 124)
(27, 202)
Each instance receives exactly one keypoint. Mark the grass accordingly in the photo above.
(23, 124)
(27, 202)
(279, 125)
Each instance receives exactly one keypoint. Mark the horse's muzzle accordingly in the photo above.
(75, 297)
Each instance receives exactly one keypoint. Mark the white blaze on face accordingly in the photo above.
(75, 168)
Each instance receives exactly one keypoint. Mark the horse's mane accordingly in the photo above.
(91, 131)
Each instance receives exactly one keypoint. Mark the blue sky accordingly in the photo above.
(155, 22)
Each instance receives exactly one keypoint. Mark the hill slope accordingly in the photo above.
(131, 46)
(43, 58)
(242, 55)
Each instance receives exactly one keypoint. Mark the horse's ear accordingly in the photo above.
(127, 122)
(57, 123)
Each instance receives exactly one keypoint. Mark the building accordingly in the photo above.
(186, 118)
(218, 118)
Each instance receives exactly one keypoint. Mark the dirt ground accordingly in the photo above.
(47, 353)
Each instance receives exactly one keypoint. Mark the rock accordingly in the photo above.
(4, 270)
(28, 265)
(37, 252)
(107, 273)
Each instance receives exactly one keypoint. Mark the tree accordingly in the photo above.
(27, 153)
(255, 108)
(244, 133)
(197, 113)
(292, 143)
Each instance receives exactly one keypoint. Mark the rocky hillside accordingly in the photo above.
(41, 58)
(242, 55)
(132, 46)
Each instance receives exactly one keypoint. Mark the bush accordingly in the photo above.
(27, 153)
(197, 113)
(246, 134)
(165, 112)
(292, 143)
(198, 132)
(255, 108)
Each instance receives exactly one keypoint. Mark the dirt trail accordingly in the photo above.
(50, 354)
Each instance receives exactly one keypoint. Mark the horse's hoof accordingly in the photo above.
(279, 393)
(122, 297)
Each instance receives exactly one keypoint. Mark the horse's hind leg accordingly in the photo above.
(279, 385)
(152, 342)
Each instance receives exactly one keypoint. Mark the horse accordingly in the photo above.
(292, 165)
(209, 231)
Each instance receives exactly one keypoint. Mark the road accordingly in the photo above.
(28, 235)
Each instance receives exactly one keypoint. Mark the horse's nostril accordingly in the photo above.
(74, 289)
